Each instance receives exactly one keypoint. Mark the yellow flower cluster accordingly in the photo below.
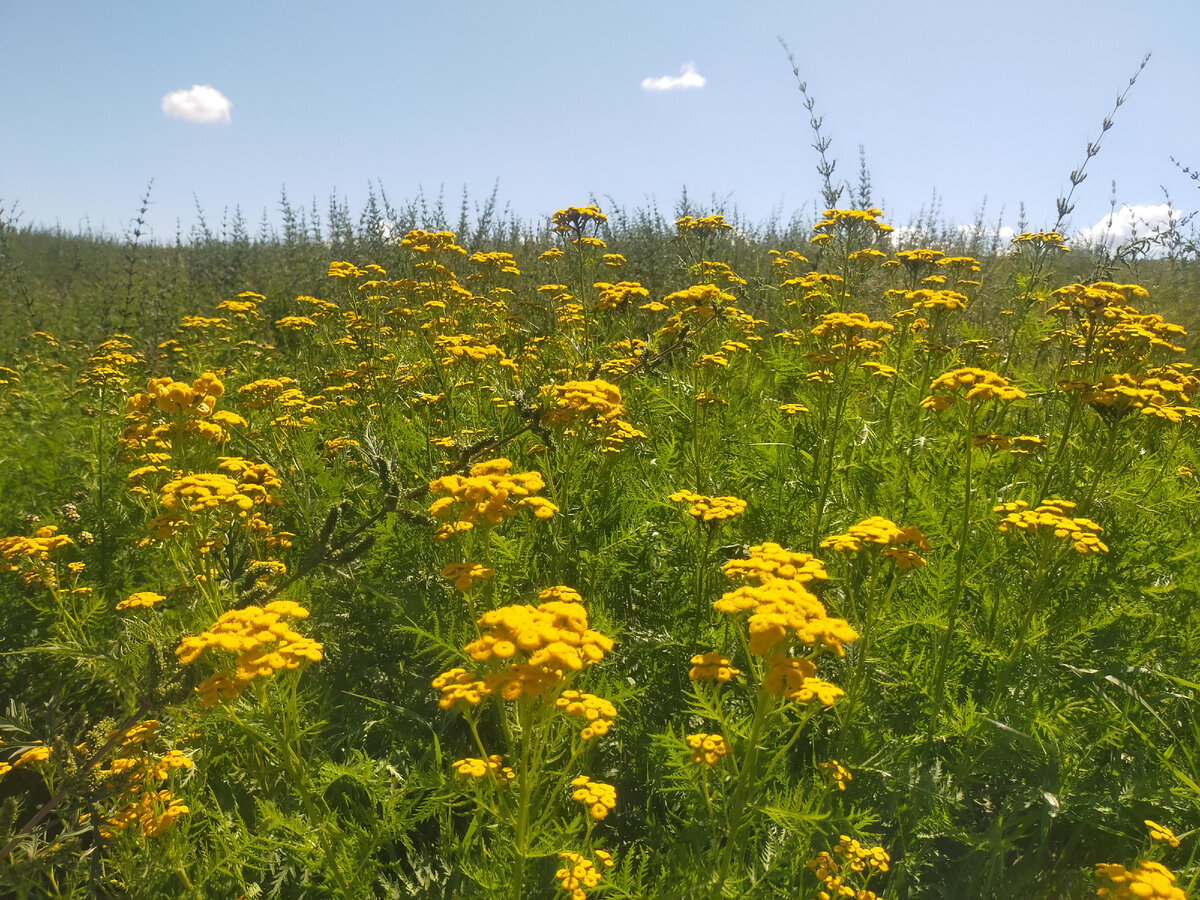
(850, 219)
(596, 711)
(769, 561)
(709, 509)
(929, 299)
(597, 401)
(598, 797)
(493, 767)
(793, 679)
(687, 224)
(1116, 396)
(39, 547)
(294, 323)
(154, 812)
(1163, 834)
(1096, 299)
(431, 243)
(845, 326)
(616, 295)
(973, 384)
(497, 259)
(701, 299)
(264, 641)
(1147, 881)
(857, 865)
(544, 642)
(141, 599)
(37, 754)
(782, 610)
(839, 776)
(1050, 518)
(459, 686)
(707, 749)
(712, 667)
(580, 874)
(191, 408)
(464, 575)
(489, 493)
(787, 410)
(878, 532)
(1049, 239)
(574, 218)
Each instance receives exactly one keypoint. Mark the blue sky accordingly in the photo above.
(973, 100)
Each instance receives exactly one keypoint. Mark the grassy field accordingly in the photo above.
(620, 556)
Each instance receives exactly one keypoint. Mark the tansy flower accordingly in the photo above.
(707, 749)
(1162, 833)
(599, 798)
(712, 667)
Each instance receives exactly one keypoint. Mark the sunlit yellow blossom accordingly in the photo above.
(1051, 519)
(597, 713)
(885, 534)
(709, 509)
(475, 768)
(712, 667)
(1162, 833)
(599, 798)
(1146, 881)
(707, 749)
(488, 493)
(141, 599)
(464, 575)
(838, 775)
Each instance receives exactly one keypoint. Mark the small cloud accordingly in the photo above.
(1141, 220)
(200, 103)
(688, 78)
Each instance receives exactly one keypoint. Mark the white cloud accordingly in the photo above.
(688, 78)
(1130, 221)
(200, 103)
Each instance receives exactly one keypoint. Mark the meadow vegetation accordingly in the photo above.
(623, 555)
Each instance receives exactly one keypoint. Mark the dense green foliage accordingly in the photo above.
(1014, 708)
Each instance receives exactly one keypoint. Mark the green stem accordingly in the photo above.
(521, 841)
(733, 838)
(939, 672)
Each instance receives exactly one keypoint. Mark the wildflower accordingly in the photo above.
(580, 874)
(707, 749)
(1146, 881)
(264, 641)
(792, 678)
(575, 218)
(769, 561)
(973, 385)
(687, 224)
(838, 775)
(792, 409)
(599, 798)
(464, 575)
(1050, 519)
(784, 610)
(709, 509)
(1162, 833)
(474, 768)
(459, 686)
(596, 401)
(882, 533)
(1051, 240)
(613, 296)
(489, 493)
(141, 599)
(712, 667)
(596, 711)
